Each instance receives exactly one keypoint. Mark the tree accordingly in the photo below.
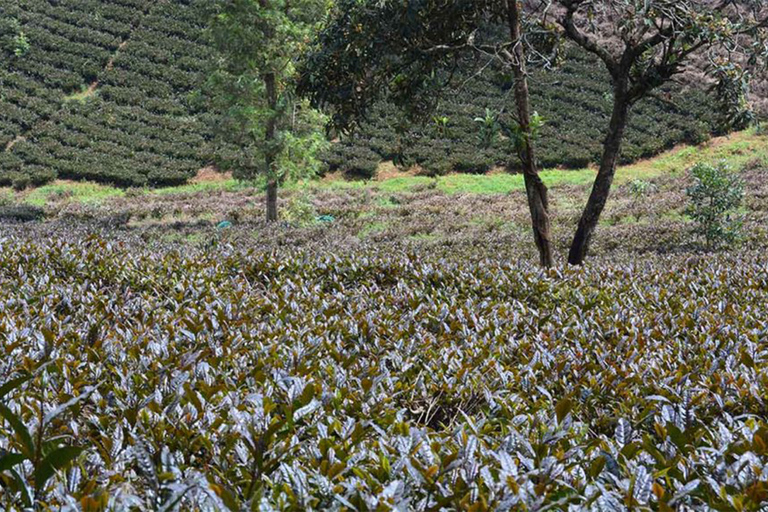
(398, 50)
(714, 197)
(259, 42)
(644, 44)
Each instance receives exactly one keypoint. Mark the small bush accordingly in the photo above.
(21, 213)
(639, 190)
(714, 197)
(300, 210)
(21, 182)
(6, 198)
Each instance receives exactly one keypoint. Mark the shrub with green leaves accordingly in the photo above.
(639, 190)
(714, 198)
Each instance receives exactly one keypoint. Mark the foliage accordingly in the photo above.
(489, 128)
(731, 91)
(716, 194)
(20, 212)
(639, 190)
(232, 379)
(149, 124)
(13, 39)
(259, 42)
(39, 456)
(300, 210)
(139, 126)
(572, 99)
(520, 140)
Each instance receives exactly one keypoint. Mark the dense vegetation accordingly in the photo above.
(383, 346)
(104, 91)
(109, 91)
(367, 381)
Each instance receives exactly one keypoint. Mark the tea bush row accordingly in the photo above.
(574, 100)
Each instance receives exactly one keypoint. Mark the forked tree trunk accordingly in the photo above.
(269, 137)
(536, 191)
(602, 186)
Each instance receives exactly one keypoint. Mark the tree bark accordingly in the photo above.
(272, 200)
(602, 185)
(269, 139)
(536, 191)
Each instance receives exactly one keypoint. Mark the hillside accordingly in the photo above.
(104, 91)
(574, 100)
(109, 91)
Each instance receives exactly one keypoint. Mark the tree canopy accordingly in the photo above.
(259, 42)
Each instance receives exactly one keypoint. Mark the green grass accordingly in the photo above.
(424, 237)
(738, 150)
(84, 192)
(372, 228)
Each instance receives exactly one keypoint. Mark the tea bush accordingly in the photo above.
(141, 125)
(232, 379)
(575, 101)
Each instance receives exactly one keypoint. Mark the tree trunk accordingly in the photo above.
(272, 200)
(602, 186)
(269, 139)
(536, 191)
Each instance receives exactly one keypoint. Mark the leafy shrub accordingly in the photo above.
(44, 453)
(6, 198)
(21, 181)
(21, 213)
(639, 190)
(300, 210)
(714, 197)
(359, 162)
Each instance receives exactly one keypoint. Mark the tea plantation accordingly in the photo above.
(110, 91)
(574, 100)
(101, 90)
(407, 355)
(236, 379)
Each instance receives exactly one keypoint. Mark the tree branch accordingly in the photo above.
(585, 41)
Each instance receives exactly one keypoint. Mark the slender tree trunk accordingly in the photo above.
(270, 158)
(272, 200)
(602, 186)
(536, 191)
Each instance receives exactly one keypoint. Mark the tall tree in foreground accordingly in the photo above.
(644, 44)
(259, 42)
(536, 190)
(397, 49)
